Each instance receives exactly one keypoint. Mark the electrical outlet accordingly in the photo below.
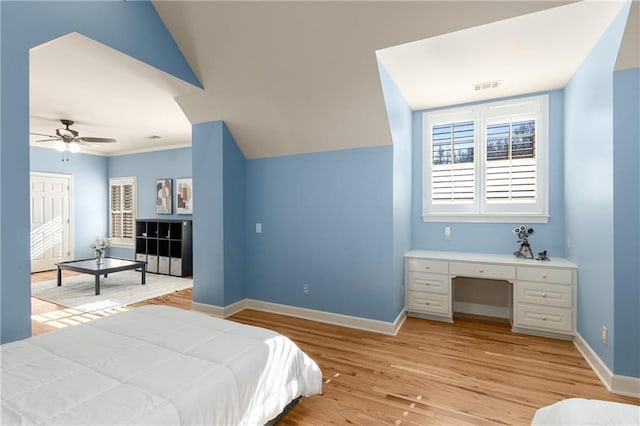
(305, 289)
(605, 335)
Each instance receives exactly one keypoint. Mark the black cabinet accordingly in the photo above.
(166, 245)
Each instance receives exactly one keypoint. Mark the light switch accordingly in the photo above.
(258, 228)
(447, 233)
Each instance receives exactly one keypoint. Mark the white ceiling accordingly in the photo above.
(287, 77)
(108, 94)
(527, 54)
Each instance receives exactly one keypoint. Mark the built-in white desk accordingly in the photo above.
(542, 293)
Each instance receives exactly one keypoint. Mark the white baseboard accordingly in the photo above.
(376, 326)
(621, 385)
(218, 311)
(483, 310)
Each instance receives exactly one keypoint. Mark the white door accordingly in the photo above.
(50, 220)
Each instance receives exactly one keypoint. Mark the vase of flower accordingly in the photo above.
(99, 245)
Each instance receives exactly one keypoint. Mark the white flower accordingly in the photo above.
(100, 243)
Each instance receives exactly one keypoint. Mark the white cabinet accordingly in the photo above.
(429, 293)
(544, 299)
(543, 294)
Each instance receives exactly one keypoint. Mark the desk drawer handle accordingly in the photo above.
(544, 318)
(544, 294)
(544, 275)
(427, 267)
(481, 270)
(427, 303)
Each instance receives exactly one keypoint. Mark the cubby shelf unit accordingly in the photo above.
(165, 245)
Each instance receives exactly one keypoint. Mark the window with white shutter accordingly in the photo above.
(122, 206)
(487, 162)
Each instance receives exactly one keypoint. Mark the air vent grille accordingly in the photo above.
(487, 85)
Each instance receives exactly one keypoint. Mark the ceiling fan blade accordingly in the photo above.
(42, 134)
(95, 140)
(48, 140)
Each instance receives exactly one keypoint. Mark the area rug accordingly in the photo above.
(118, 289)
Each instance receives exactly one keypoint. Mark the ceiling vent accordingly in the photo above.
(487, 85)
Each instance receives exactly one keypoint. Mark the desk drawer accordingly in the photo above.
(481, 270)
(427, 265)
(435, 283)
(564, 276)
(544, 294)
(543, 318)
(429, 303)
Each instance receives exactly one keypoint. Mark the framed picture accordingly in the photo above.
(164, 196)
(184, 189)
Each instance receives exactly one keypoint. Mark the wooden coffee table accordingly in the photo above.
(109, 265)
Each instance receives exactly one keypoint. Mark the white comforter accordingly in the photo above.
(580, 412)
(154, 365)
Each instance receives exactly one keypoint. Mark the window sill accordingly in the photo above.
(486, 218)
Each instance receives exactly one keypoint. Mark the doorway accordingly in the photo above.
(51, 203)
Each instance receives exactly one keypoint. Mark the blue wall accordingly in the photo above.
(208, 224)
(90, 193)
(148, 167)
(588, 171)
(327, 222)
(234, 202)
(400, 124)
(626, 216)
(133, 28)
(218, 220)
(495, 237)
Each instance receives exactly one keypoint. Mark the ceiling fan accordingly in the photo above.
(68, 140)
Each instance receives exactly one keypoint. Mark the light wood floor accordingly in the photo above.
(472, 372)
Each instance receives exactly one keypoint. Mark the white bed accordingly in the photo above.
(154, 365)
(579, 411)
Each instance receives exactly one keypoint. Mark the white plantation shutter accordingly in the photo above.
(123, 215)
(510, 162)
(486, 162)
(453, 183)
(127, 211)
(453, 171)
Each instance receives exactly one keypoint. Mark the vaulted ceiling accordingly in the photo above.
(289, 77)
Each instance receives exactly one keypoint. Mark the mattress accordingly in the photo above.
(154, 365)
(578, 411)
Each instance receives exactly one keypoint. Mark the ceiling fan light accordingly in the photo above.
(60, 146)
(74, 147)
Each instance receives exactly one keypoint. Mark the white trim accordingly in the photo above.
(124, 180)
(625, 385)
(479, 209)
(220, 312)
(213, 310)
(621, 385)
(483, 310)
(376, 326)
(486, 218)
(143, 150)
(89, 151)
